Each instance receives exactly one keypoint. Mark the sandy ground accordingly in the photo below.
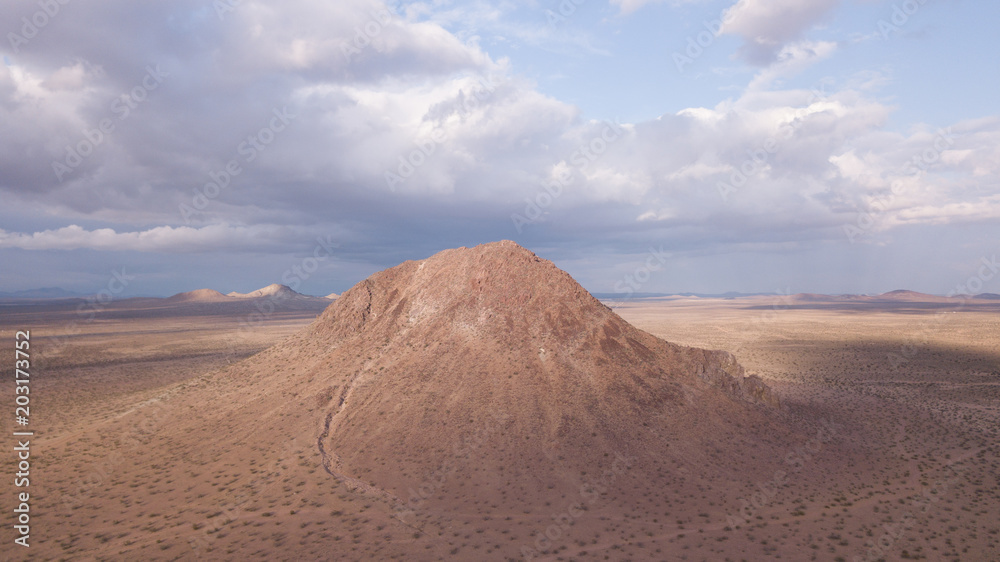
(894, 410)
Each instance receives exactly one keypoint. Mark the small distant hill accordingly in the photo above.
(332, 296)
(272, 290)
(904, 294)
(198, 295)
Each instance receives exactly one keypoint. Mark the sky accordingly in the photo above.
(828, 146)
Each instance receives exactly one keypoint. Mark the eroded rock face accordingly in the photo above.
(722, 370)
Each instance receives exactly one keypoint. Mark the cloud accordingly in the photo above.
(356, 40)
(629, 6)
(160, 239)
(316, 58)
(766, 26)
(929, 177)
(499, 141)
(420, 140)
(792, 59)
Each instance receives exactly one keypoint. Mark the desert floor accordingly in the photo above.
(905, 469)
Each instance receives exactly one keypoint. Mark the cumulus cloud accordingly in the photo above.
(486, 142)
(160, 239)
(792, 59)
(932, 176)
(629, 6)
(766, 26)
(401, 133)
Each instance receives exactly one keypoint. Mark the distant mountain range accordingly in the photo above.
(729, 295)
(283, 291)
(200, 302)
(44, 293)
(899, 295)
(204, 295)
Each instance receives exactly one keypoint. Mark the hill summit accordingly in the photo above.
(503, 299)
